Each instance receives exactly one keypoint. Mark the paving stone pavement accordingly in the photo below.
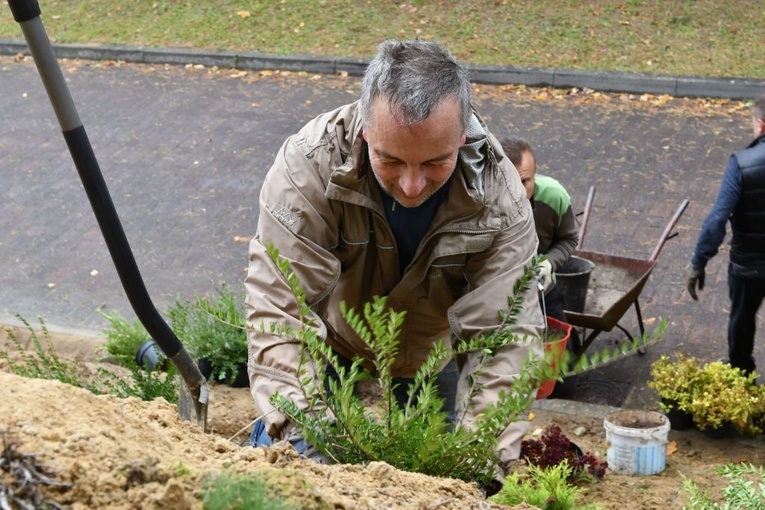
(184, 151)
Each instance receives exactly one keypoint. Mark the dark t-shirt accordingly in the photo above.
(409, 224)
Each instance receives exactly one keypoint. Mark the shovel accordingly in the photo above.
(192, 404)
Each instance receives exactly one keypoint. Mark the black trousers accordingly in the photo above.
(746, 295)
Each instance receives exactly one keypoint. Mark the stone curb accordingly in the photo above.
(634, 83)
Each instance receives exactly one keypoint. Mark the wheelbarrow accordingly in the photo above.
(615, 284)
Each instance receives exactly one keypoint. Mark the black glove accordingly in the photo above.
(696, 279)
(490, 488)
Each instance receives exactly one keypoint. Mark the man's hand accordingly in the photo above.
(544, 275)
(306, 449)
(696, 279)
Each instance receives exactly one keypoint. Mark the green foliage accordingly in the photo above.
(724, 394)
(672, 38)
(45, 363)
(715, 393)
(143, 384)
(123, 338)
(415, 436)
(239, 492)
(214, 330)
(585, 362)
(210, 329)
(745, 490)
(675, 381)
(545, 488)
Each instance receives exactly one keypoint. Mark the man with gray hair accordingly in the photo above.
(403, 194)
(741, 200)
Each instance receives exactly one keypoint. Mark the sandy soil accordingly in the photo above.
(125, 453)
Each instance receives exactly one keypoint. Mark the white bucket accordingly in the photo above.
(637, 442)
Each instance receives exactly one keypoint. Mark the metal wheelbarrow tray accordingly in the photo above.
(615, 285)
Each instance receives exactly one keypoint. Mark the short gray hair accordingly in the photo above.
(414, 76)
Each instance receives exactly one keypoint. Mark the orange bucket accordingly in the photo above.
(557, 349)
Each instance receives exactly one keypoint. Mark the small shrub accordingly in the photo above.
(239, 492)
(675, 381)
(416, 436)
(143, 384)
(213, 330)
(745, 490)
(725, 394)
(123, 338)
(715, 393)
(44, 363)
(542, 487)
(554, 448)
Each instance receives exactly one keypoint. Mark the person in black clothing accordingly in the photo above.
(741, 201)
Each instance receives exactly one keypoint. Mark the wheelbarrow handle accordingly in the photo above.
(585, 217)
(27, 14)
(668, 230)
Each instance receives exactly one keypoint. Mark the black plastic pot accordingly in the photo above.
(151, 357)
(725, 430)
(679, 419)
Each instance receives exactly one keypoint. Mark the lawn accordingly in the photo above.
(675, 37)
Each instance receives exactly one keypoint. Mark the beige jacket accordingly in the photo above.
(321, 207)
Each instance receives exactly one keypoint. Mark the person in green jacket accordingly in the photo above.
(557, 231)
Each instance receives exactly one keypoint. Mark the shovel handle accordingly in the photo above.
(586, 217)
(27, 14)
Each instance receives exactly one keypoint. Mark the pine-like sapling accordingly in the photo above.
(416, 435)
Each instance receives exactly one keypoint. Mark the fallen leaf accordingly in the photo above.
(671, 448)
(531, 416)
